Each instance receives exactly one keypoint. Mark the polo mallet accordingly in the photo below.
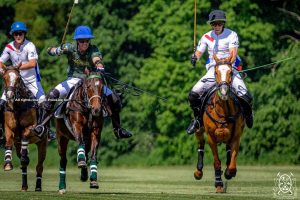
(67, 25)
(195, 25)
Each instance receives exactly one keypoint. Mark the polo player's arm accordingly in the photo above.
(4, 57)
(233, 52)
(1, 68)
(63, 49)
(29, 65)
(198, 54)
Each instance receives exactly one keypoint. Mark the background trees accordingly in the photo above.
(148, 44)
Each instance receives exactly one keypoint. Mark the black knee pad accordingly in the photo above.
(53, 94)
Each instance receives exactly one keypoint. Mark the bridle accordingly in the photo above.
(88, 99)
(224, 83)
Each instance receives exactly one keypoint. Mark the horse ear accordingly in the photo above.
(216, 58)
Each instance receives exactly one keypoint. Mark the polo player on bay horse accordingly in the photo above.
(81, 55)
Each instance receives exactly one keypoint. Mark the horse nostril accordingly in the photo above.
(96, 112)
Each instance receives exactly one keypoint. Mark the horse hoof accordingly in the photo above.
(81, 164)
(38, 189)
(8, 167)
(229, 173)
(24, 189)
(62, 191)
(219, 189)
(94, 185)
(84, 175)
(198, 175)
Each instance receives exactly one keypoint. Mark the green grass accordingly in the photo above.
(252, 182)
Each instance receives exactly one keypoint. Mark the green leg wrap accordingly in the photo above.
(62, 179)
(81, 153)
(93, 170)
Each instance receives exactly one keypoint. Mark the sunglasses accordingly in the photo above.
(18, 33)
(83, 41)
(214, 24)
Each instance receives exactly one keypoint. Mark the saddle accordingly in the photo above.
(62, 108)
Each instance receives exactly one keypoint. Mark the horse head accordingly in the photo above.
(12, 82)
(93, 87)
(223, 74)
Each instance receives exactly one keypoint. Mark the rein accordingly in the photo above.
(20, 91)
(227, 119)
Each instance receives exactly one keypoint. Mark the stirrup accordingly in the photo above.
(39, 130)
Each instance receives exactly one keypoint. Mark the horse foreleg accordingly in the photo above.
(24, 159)
(42, 148)
(231, 168)
(201, 142)
(8, 157)
(9, 136)
(81, 155)
(217, 165)
(95, 138)
(228, 160)
(62, 150)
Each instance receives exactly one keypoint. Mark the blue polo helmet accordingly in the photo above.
(83, 32)
(18, 26)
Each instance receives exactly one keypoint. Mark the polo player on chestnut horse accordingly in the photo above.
(20, 116)
(223, 121)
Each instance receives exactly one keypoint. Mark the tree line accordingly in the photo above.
(148, 44)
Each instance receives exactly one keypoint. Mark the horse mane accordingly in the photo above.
(77, 99)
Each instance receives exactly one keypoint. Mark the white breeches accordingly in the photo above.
(67, 85)
(208, 81)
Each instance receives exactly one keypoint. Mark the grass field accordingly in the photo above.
(252, 182)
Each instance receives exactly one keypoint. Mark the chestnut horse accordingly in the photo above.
(82, 122)
(20, 117)
(223, 122)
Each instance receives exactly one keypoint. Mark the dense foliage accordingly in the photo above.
(148, 44)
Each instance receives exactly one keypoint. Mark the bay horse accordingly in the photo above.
(20, 117)
(82, 122)
(223, 122)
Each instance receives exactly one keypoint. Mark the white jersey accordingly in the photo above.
(218, 44)
(26, 52)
